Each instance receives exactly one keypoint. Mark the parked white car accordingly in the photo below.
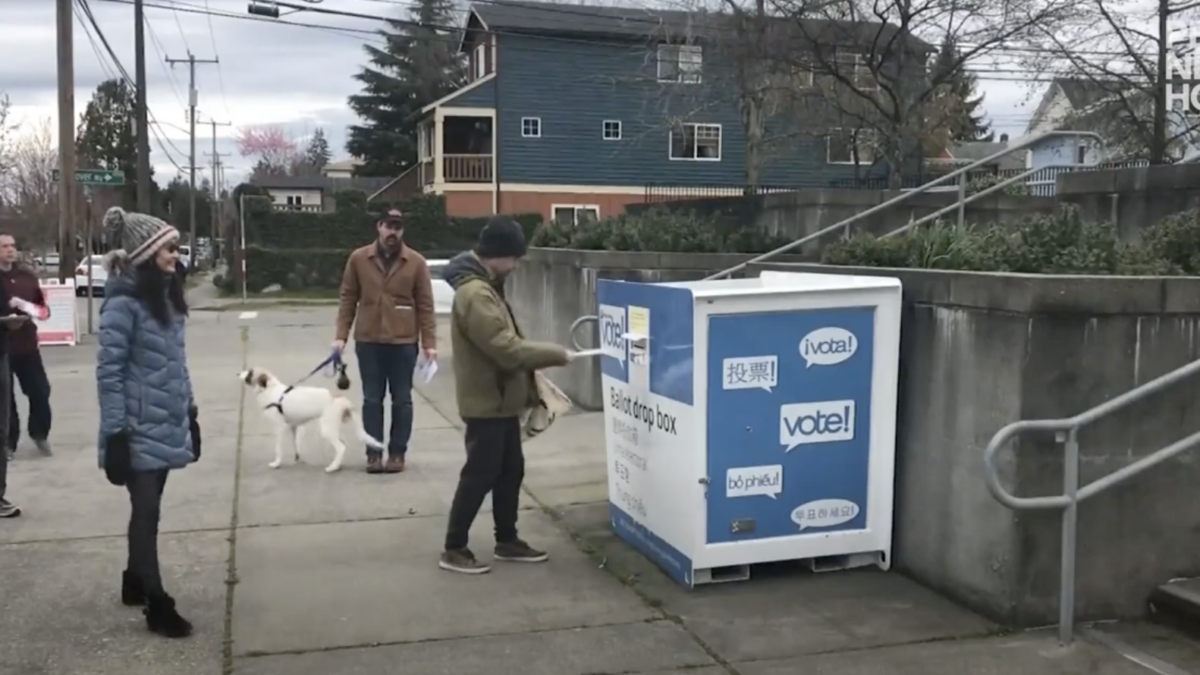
(99, 276)
(443, 293)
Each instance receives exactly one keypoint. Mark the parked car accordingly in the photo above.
(46, 264)
(443, 293)
(99, 276)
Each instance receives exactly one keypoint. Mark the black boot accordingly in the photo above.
(162, 618)
(132, 594)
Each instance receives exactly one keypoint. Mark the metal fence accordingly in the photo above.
(1043, 183)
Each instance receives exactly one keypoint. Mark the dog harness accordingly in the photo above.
(278, 405)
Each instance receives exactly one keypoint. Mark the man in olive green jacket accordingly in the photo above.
(494, 378)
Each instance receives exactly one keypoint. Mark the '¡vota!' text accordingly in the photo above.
(652, 417)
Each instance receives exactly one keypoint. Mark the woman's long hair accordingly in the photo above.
(161, 292)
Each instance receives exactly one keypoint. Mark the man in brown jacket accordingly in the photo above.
(386, 286)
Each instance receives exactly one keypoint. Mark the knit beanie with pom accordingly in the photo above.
(137, 236)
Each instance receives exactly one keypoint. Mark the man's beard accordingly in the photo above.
(392, 242)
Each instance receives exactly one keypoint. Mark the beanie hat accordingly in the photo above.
(137, 236)
(501, 237)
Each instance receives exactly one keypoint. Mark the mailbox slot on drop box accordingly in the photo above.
(751, 420)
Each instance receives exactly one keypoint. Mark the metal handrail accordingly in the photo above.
(1067, 432)
(962, 171)
(963, 201)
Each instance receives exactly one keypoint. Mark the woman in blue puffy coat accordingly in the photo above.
(147, 410)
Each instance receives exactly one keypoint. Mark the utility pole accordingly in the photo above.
(192, 61)
(143, 126)
(66, 140)
(216, 186)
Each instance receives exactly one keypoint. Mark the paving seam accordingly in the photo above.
(231, 579)
(257, 654)
(590, 551)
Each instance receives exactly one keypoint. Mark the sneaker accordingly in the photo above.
(395, 464)
(519, 551)
(9, 509)
(374, 464)
(463, 562)
(43, 446)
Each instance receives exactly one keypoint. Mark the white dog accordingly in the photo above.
(290, 407)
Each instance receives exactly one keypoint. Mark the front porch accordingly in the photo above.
(456, 145)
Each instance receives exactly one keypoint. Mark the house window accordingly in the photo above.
(850, 146)
(697, 142)
(611, 130)
(480, 60)
(574, 214)
(531, 127)
(295, 200)
(1081, 154)
(852, 67)
(680, 63)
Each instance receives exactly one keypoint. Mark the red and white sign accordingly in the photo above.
(61, 327)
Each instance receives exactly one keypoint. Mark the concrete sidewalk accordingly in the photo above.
(296, 572)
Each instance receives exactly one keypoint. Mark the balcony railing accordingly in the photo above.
(309, 208)
(467, 168)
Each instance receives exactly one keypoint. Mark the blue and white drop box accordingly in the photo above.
(751, 420)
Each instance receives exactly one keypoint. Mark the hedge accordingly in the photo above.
(1061, 243)
(426, 228)
(657, 229)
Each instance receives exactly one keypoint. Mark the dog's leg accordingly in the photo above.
(331, 432)
(279, 440)
(295, 442)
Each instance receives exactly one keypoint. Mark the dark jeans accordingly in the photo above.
(145, 502)
(384, 367)
(496, 464)
(29, 371)
(5, 397)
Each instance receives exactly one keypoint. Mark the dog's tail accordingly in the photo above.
(350, 414)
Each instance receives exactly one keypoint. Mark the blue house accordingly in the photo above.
(572, 111)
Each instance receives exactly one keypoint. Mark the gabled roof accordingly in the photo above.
(547, 18)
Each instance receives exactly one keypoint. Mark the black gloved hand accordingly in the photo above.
(194, 417)
(117, 459)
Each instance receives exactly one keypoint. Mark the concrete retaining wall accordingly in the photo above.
(1133, 198)
(980, 351)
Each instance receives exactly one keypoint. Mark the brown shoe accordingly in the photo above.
(374, 464)
(395, 464)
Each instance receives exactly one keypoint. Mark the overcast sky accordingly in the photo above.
(270, 73)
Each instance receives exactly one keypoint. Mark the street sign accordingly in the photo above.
(95, 177)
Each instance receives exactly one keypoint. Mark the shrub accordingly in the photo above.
(294, 269)
(1061, 243)
(657, 229)
(982, 182)
(427, 228)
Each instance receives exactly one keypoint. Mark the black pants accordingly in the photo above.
(28, 370)
(5, 397)
(145, 501)
(496, 464)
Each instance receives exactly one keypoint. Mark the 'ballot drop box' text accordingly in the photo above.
(751, 420)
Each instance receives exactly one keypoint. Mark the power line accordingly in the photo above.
(212, 34)
(162, 56)
(87, 11)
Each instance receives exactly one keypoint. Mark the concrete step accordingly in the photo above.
(1157, 648)
(1177, 603)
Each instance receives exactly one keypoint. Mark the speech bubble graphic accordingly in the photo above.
(824, 513)
(819, 422)
(751, 481)
(828, 346)
(750, 372)
(612, 332)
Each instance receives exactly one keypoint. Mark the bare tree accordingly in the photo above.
(1120, 49)
(28, 189)
(871, 64)
(7, 133)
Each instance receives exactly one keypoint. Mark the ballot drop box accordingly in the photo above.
(751, 420)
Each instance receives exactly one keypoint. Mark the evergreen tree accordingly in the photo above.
(317, 154)
(105, 138)
(966, 121)
(418, 66)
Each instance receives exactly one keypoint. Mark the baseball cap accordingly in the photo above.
(392, 217)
